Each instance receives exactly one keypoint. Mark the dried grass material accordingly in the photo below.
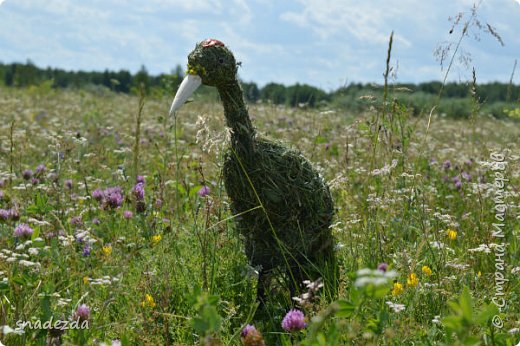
(284, 208)
(292, 227)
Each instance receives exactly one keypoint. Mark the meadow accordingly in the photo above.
(114, 214)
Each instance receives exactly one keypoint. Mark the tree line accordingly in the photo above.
(28, 74)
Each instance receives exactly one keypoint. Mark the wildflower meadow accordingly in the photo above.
(116, 227)
(115, 215)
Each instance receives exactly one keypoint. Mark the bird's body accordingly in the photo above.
(284, 208)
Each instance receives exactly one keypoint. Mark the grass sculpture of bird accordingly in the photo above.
(284, 208)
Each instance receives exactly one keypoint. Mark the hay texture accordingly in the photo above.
(284, 205)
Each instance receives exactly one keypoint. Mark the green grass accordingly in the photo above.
(395, 202)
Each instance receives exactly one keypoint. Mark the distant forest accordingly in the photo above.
(496, 98)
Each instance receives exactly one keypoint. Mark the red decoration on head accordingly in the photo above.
(212, 42)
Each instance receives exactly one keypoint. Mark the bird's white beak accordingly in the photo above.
(189, 84)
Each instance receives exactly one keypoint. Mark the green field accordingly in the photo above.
(170, 269)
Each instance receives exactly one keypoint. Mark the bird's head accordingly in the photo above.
(213, 63)
(210, 63)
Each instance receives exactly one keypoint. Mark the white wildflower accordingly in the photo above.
(29, 264)
(64, 302)
(396, 307)
(459, 266)
(386, 169)
(481, 248)
(437, 245)
(8, 330)
(374, 277)
(33, 251)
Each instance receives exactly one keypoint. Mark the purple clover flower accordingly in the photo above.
(5, 214)
(98, 195)
(456, 181)
(76, 221)
(446, 164)
(251, 336)
(466, 176)
(139, 191)
(27, 174)
(294, 321)
(82, 313)
(204, 191)
(139, 179)
(127, 214)
(68, 184)
(86, 250)
(113, 197)
(14, 214)
(96, 221)
(247, 329)
(40, 169)
(382, 267)
(23, 230)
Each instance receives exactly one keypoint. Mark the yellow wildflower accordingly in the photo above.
(107, 250)
(479, 274)
(452, 235)
(148, 301)
(156, 239)
(427, 270)
(85, 280)
(398, 289)
(412, 280)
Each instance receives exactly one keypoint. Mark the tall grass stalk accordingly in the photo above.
(137, 130)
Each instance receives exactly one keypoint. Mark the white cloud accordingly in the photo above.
(214, 6)
(360, 20)
(241, 11)
(321, 42)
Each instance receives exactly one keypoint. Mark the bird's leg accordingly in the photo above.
(264, 278)
(295, 277)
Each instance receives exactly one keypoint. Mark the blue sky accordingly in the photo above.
(325, 43)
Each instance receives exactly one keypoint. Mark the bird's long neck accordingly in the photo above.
(237, 117)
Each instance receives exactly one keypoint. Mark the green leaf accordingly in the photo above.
(466, 304)
(455, 307)
(320, 140)
(346, 309)
(20, 280)
(381, 291)
(200, 325)
(452, 322)
(363, 127)
(36, 233)
(45, 305)
(322, 341)
(484, 315)
(41, 205)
